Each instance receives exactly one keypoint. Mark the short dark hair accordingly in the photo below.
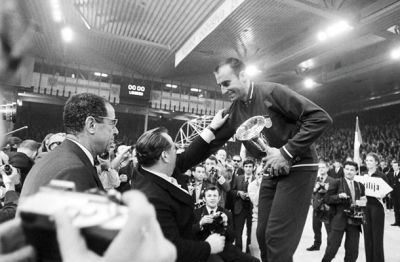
(236, 65)
(213, 158)
(150, 145)
(351, 163)
(79, 107)
(212, 188)
(248, 161)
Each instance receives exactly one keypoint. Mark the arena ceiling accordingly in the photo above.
(353, 71)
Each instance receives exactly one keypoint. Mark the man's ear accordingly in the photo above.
(242, 77)
(164, 156)
(90, 124)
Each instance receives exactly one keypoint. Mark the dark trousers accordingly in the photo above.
(396, 207)
(282, 211)
(240, 219)
(317, 225)
(350, 244)
(373, 231)
(232, 253)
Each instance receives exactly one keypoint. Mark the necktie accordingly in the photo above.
(353, 193)
(212, 212)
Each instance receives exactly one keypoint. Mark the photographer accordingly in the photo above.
(212, 218)
(348, 198)
(215, 175)
(321, 211)
(8, 196)
(140, 240)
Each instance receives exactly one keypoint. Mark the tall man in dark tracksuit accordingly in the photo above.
(293, 123)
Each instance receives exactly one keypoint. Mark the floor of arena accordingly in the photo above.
(391, 245)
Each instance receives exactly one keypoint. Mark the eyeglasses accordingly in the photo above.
(236, 160)
(113, 121)
(226, 83)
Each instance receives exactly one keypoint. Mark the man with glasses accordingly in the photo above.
(293, 123)
(91, 126)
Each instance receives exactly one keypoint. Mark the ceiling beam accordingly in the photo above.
(312, 8)
(212, 22)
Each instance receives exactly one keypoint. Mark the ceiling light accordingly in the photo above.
(308, 64)
(252, 70)
(309, 83)
(56, 10)
(100, 74)
(395, 54)
(322, 36)
(171, 85)
(334, 30)
(67, 34)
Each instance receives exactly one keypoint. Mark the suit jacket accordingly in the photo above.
(394, 182)
(203, 188)
(174, 207)
(230, 197)
(239, 203)
(65, 162)
(8, 210)
(203, 234)
(339, 174)
(320, 194)
(340, 220)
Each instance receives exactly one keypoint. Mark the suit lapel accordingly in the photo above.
(174, 191)
(69, 145)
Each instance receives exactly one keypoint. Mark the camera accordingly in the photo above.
(217, 226)
(7, 169)
(356, 215)
(98, 218)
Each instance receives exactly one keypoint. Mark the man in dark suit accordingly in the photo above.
(196, 190)
(343, 195)
(161, 179)
(336, 171)
(91, 126)
(237, 171)
(321, 211)
(394, 182)
(242, 205)
(212, 218)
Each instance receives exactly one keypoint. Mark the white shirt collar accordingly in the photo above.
(84, 149)
(349, 181)
(209, 210)
(167, 178)
(162, 175)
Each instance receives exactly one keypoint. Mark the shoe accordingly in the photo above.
(395, 224)
(313, 248)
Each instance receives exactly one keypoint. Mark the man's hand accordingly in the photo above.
(224, 219)
(207, 219)
(279, 165)
(218, 120)
(217, 243)
(123, 178)
(141, 239)
(343, 196)
(13, 247)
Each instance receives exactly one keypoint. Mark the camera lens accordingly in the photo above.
(7, 170)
